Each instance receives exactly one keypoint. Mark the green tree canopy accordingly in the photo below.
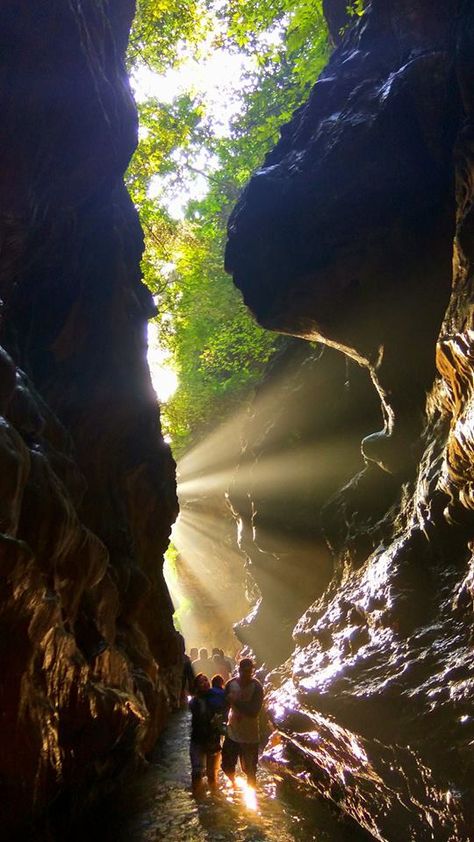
(217, 349)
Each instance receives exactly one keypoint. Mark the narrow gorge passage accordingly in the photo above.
(159, 806)
(320, 152)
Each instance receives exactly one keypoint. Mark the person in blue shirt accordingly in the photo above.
(216, 694)
(218, 704)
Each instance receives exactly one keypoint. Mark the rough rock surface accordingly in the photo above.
(302, 442)
(357, 231)
(90, 662)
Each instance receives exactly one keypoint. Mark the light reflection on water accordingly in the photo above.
(160, 805)
(249, 794)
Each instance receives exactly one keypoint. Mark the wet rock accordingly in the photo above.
(280, 526)
(357, 232)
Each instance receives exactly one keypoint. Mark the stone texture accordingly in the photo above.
(357, 231)
(90, 662)
(301, 443)
(315, 246)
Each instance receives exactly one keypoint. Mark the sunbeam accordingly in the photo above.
(250, 515)
(279, 473)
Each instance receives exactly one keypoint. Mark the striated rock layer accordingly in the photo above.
(357, 231)
(90, 661)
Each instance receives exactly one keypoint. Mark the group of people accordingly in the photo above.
(217, 663)
(228, 709)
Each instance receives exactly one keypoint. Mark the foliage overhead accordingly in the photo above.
(159, 29)
(217, 349)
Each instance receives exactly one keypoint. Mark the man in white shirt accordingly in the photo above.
(244, 696)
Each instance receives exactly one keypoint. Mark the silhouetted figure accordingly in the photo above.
(221, 664)
(205, 745)
(187, 682)
(231, 664)
(204, 664)
(194, 654)
(244, 696)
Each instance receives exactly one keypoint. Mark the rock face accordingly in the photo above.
(302, 442)
(357, 231)
(90, 662)
(314, 244)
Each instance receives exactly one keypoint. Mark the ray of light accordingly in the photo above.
(189, 591)
(193, 540)
(275, 474)
(217, 452)
(221, 450)
(206, 585)
(273, 489)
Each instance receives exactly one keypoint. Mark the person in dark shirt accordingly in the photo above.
(187, 680)
(217, 694)
(218, 704)
(205, 745)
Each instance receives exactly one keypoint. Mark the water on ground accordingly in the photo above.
(159, 805)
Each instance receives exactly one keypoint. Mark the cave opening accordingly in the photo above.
(206, 353)
(248, 509)
(316, 411)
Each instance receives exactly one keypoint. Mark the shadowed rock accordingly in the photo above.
(90, 662)
(345, 233)
(356, 231)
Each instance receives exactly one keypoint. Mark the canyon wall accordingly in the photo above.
(301, 443)
(90, 661)
(357, 233)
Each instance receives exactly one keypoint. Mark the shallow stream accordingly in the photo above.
(159, 805)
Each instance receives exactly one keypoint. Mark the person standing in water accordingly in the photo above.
(187, 680)
(244, 696)
(205, 745)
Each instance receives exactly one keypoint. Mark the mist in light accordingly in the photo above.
(268, 484)
(208, 587)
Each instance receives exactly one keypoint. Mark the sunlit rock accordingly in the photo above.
(357, 231)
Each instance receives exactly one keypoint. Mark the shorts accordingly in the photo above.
(247, 753)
